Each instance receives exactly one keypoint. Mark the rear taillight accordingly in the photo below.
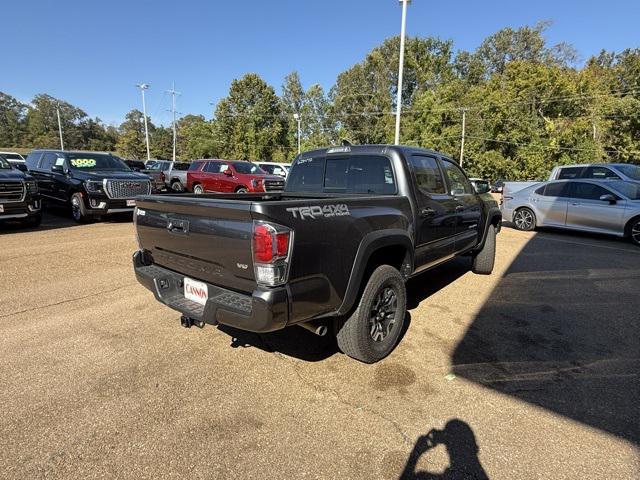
(271, 253)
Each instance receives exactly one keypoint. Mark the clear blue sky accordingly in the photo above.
(91, 53)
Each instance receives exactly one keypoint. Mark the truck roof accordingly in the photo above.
(372, 148)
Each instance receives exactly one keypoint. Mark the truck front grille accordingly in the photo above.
(127, 188)
(12, 191)
(273, 185)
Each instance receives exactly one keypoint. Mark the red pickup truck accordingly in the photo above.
(230, 176)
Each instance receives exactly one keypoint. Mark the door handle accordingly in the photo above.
(427, 212)
(573, 203)
(459, 208)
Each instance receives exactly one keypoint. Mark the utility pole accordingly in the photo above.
(401, 68)
(464, 117)
(60, 128)
(143, 87)
(299, 120)
(173, 111)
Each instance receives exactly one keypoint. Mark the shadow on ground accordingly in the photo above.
(54, 218)
(562, 331)
(462, 448)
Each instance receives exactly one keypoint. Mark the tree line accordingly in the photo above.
(527, 107)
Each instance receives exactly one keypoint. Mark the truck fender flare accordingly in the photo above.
(370, 243)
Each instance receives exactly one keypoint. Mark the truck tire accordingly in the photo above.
(176, 186)
(484, 260)
(78, 210)
(197, 189)
(372, 331)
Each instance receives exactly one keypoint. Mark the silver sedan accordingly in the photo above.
(611, 207)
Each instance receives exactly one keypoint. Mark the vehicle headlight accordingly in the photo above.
(93, 186)
(32, 186)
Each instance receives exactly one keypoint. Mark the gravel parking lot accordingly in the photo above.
(529, 373)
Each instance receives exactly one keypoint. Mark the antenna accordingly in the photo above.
(173, 111)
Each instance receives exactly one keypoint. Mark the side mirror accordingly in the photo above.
(57, 168)
(22, 167)
(482, 188)
(608, 198)
(228, 172)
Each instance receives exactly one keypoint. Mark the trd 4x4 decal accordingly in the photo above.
(316, 211)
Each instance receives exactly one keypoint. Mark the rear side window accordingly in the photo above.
(181, 166)
(570, 172)
(212, 167)
(428, 176)
(195, 166)
(602, 173)
(554, 190)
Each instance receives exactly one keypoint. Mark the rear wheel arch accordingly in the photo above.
(629, 225)
(385, 247)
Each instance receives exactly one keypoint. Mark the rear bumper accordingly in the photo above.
(262, 311)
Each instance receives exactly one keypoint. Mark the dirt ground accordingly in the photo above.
(529, 373)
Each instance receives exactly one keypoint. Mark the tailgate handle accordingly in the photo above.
(178, 226)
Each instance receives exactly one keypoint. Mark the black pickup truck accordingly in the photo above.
(19, 197)
(333, 250)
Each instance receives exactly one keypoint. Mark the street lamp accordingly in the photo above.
(400, 68)
(297, 117)
(143, 87)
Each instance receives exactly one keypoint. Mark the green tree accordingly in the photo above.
(249, 122)
(131, 142)
(12, 116)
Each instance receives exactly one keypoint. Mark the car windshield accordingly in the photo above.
(4, 163)
(631, 171)
(631, 190)
(95, 161)
(248, 168)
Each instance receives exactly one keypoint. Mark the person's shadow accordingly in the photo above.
(460, 442)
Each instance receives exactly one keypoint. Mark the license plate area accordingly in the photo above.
(131, 203)
(196, 291)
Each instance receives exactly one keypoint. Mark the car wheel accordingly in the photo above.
(524, 219)
(176, 186)
(485, 259)
(78, 210)
(198, 190)
(372, 331)
(634, 231)
(242, 190)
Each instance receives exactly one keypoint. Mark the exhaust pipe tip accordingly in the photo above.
(317, 328)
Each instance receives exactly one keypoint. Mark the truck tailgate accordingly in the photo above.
(215, 233)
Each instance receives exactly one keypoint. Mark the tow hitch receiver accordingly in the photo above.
(187, 322)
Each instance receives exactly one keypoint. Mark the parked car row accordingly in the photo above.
(230, 176)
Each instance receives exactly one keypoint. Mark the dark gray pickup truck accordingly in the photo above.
(330, 253)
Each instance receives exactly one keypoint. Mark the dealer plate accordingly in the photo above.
(131, 203)
(195, 291)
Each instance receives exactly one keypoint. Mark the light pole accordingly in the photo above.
(143, 87)
(173, 111)
(298, 119)
(59, 128)
(464, 117)
(400, 68)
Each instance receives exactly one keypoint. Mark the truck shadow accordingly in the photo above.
(293, 341)
(562, 331)
(300, 343)
(459, 440)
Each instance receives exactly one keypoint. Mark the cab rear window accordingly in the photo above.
(365, 174)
